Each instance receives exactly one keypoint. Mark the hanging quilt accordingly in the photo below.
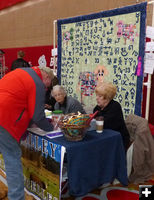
(108, 45)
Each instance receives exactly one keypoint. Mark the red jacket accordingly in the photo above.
(22, 94)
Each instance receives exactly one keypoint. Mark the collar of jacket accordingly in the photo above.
(64, 103)
(38, 72)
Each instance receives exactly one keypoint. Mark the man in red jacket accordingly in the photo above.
(22, 98)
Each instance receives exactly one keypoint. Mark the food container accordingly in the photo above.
(56, 117)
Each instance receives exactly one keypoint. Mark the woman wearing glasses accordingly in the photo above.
(65, 103)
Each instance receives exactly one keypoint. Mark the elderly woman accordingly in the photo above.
(111, 110)
(65, 103)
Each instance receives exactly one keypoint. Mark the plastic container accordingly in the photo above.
(56, 116)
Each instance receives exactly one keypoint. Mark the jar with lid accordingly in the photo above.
(56, 117)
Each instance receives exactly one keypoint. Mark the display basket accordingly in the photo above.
(74, 126)
(74, 132)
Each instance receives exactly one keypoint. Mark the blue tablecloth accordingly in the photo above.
(99, 158)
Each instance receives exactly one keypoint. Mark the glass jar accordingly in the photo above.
(56, 117)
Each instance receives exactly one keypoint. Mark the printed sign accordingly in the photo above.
(41, 167)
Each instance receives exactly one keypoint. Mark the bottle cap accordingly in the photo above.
(57, 112)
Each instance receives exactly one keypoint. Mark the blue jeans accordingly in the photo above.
(11, 152)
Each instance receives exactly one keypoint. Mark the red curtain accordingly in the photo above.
(8, 3)
(32, 54)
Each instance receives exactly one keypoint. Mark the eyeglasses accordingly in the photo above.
(58, 95)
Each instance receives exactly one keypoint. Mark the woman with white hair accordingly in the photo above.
(111, 110)
(65, 103)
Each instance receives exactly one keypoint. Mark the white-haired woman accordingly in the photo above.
(111, 110)
(65, 103)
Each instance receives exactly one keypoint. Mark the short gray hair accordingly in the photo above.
(48, 71)
(58, 88)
